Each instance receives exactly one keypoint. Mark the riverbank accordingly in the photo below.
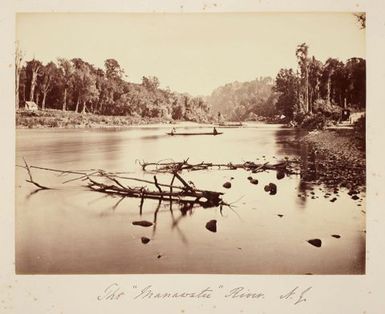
(341, 143)
(341, 158)
(68, 119)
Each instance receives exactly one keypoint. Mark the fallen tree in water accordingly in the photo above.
(116, 183)
(179, 166)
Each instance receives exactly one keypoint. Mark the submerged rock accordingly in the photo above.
(145, 240)
(280, 175)
(227, 185)
(315, 242)
(212, 225)
(273, 189)
(280, 215)
(143, 223)
(337, 236)
(254, 181)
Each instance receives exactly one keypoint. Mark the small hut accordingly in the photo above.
(31, 106)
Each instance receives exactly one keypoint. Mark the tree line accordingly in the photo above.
(244, 100)
(316, 86)
(76, 85)
(313, 87)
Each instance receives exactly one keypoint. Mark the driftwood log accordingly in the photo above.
(179, 166)
(117, 184)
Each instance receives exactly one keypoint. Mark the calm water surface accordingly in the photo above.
(73, 230)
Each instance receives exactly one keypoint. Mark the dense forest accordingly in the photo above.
(313, 88)
(317, 87)
(78, 86)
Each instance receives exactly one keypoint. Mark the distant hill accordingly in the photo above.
(238, 101)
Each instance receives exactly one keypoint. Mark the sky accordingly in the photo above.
(194, 52)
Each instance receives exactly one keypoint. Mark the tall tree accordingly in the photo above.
(34, 70)
(151, 83)
(355, 70)
(113, 69)
(18, 68)
(302, 56)
(315, 75)
(286, 84)
(67, 71)
(49, 74)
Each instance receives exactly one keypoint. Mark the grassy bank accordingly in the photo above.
(68, 119)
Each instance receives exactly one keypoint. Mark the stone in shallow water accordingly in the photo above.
(267, 188)
(355, 197)
(280, 215)
(254, 181)
(337, 236)
(273, 189)
(227, 185)
(280, 175)
(145, 240)
(212, 225)
(143, 223)
(315, 242)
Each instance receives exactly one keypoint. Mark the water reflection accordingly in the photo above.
(73, 230)
(318, 168)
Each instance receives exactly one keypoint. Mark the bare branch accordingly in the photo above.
(42, 187)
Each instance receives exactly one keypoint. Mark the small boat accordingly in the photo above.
(230, 125)
(200, 133)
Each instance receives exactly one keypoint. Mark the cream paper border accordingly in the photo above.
(78, 294)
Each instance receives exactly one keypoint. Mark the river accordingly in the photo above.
(71, 230)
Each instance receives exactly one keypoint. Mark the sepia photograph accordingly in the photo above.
(190, 143)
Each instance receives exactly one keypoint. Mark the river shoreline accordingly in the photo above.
(343, 160)
(340, 143)
(69, 120)
(339, 149)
